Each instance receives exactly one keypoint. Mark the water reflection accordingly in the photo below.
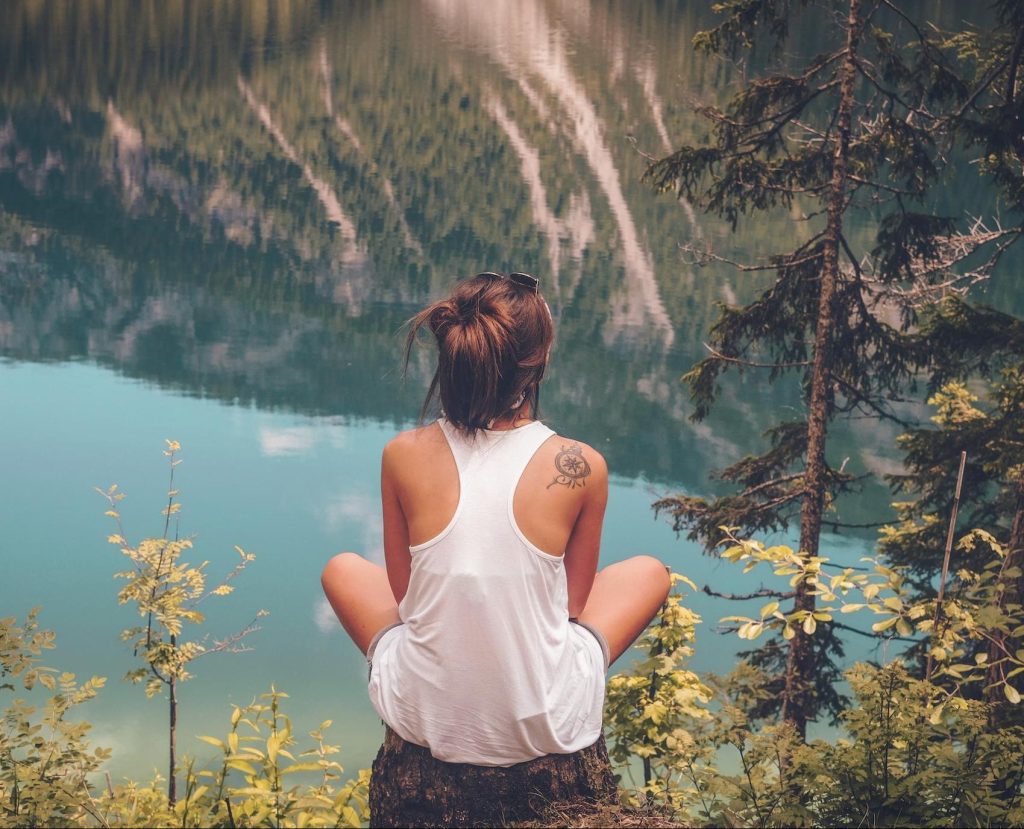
(249, 207)
(524, 42)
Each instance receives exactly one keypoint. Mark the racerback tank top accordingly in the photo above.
(486, 667)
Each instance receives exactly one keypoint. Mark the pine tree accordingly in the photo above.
(856, 123)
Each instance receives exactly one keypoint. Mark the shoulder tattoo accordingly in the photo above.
(571, 467)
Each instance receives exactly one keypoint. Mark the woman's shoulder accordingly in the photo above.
(418, 436)
(414, 443)
(571, 459)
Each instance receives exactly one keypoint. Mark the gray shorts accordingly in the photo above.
(377, 637)
(605, 651)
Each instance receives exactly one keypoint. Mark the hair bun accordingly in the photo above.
(493, 340)
(445, 314)
(467, 308)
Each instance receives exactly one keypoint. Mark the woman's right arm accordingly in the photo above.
(584, 546)
(397, 559)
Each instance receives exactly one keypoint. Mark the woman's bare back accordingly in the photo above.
(548, 499)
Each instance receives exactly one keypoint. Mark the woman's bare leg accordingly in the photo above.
(625, 597)
(361, 596)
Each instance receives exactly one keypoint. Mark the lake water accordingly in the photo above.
(215, 219)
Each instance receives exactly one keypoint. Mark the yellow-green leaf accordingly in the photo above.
(241, 765)
(300, 767)
(1012, 694)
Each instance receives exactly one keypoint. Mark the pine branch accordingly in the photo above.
(750, 364)
(782, 115)
(862, 69)
(785, 479)
(926, 43)
(983, 85)
(705, 255)
(867, 525)
(947, 253)
(859, 398)
(877, 185)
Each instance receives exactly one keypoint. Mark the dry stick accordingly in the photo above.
(945, 561)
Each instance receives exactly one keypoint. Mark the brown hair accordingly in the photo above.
(493, 337)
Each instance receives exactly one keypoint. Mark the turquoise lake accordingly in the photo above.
(214, 220)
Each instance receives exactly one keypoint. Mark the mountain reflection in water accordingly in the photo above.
(249, 207)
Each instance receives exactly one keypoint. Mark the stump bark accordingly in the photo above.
(408, 787)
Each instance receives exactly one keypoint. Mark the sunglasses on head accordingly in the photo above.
(522, 279)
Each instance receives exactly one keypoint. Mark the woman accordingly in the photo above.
(490, 631)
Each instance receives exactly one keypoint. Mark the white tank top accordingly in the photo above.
(487, 669)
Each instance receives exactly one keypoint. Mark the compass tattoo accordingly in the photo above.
(572, 467)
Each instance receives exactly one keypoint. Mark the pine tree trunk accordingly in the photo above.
(800, 663)
(408, 787)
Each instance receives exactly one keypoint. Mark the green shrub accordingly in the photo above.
(45, 759)
(911, 751)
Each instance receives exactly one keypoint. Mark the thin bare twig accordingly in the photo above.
(785, 479)
(950, 251)
(945, 560)
(718, 355)
(763, 593)
(705, 255)
(871, 634)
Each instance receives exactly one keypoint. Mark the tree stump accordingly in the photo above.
(408, 787)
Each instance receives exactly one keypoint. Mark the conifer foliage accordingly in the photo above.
(863, 123)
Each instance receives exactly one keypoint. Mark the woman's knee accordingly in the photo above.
(339, 568)
(653, 573)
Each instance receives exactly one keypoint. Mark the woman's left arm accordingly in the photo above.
(584, 546)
